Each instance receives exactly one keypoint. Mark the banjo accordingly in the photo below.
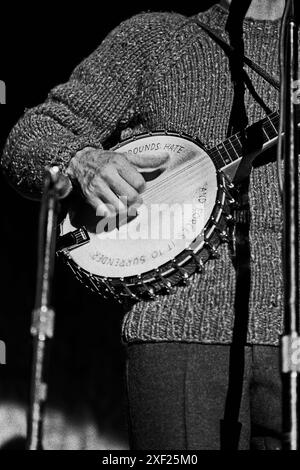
(184, 217)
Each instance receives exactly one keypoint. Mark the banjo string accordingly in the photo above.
(176, 175)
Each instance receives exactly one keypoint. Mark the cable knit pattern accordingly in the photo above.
(161, 71)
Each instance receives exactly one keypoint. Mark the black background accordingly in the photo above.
(40, 46)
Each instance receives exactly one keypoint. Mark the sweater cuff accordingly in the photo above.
(27, 174)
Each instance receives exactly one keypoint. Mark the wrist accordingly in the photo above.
(75, 161)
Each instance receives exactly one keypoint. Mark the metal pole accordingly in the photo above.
(42, 327)
(290, 341)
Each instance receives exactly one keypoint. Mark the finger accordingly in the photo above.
(122, 189)
(85, 150)
(131, 176)
(99, 206)
(149, 160)
(106, 195)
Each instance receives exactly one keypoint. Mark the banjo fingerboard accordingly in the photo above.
(255, 138)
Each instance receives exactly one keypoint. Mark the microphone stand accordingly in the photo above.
(56, 187)
(289, 151)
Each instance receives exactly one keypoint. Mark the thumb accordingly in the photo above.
(149, 160)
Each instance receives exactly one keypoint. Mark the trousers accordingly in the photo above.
(177, 393)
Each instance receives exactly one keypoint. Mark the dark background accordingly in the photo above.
(40, 46)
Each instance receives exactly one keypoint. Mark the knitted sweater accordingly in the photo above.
(162, 71)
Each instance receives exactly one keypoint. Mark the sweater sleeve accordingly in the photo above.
(102, 91)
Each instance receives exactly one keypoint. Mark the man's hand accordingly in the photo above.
(106, 176)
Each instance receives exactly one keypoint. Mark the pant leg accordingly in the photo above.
(155, 391)
(266, 413)
(176, 395)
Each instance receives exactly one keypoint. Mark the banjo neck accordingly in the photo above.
(252, 141)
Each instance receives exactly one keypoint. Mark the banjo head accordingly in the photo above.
(150, 242)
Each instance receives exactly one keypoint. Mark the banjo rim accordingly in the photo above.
(154, 281)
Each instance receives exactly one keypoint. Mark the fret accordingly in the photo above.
(217, 157)
(233, 152)
(236, 145)
(272, 125)
(227, 156)
(251, 139)
(270, 129)
(265, 132)
(274, 122)
(238, 139)
(220, 154)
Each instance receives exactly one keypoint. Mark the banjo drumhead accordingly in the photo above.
(178, 201)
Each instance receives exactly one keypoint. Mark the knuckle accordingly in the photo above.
(105, 171)
(131, 197)
(88, 189)
(87, 153)
(93, 186)
(117, 159)
(89, 174)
